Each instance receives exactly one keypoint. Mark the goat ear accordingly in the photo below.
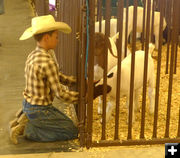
(99, 43)
(109, 46)
(110, 75)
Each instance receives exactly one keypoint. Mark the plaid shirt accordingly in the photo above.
(42, 79)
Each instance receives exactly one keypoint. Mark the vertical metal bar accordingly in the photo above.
(126, 28)
(158, 4)
(175, 62)
(119, 44)
(169, 19)
(177, 38)
(80, 54)
(90, 71)
(158, 70)
(132, 71)
(143, 31)
(81, 77)
(174, 34)
(107, 34)
(152, 21)
(100, 15)
(98, 8)
(145, 69)
(58, 19)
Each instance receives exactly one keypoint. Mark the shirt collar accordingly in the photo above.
(43, 50)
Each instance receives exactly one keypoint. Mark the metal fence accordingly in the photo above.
(103, 139)
(76, 55)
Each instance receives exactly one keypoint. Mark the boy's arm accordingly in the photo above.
(51, 72)
(67, 80)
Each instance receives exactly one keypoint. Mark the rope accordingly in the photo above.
(87, 38)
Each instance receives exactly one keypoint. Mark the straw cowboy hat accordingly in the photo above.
(42, 24)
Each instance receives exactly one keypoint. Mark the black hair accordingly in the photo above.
(39, 36)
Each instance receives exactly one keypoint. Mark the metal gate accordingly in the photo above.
(97, 133)
(80, 47)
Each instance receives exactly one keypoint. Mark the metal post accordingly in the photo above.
(81, 76)
(119, 44)
(126, 27)
(132, 71)
(107, 34)
(158, 71)
(145, 69)
(90, 72)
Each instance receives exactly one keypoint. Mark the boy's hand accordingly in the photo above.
(74, 96)
(67, 80)
(73, 79)
(75, 100)
(74, 93)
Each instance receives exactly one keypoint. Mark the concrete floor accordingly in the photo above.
(108, 152)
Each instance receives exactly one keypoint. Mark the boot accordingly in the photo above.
(19, 129)
(14, 122)
(19, 113)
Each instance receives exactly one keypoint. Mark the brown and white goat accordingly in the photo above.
(125, 80)
(101, 43)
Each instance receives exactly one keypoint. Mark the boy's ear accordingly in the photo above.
(45, 37)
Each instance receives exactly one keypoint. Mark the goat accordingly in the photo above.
(138, 80)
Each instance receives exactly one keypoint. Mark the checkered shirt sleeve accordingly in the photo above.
(67, 80)
(51, 71)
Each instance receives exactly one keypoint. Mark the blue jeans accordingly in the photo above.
(46, 123)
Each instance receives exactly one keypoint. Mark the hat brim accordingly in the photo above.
(60, 26)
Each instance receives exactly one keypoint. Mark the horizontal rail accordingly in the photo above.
(153, 141)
